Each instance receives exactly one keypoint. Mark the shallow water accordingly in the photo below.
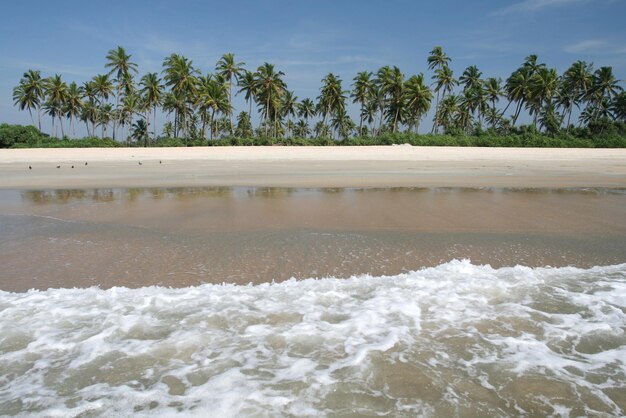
(453, 340)
(186, 237)
(376, 321)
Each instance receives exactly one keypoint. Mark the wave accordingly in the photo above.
(456, 339)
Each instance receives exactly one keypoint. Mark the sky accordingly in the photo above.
(306, 39)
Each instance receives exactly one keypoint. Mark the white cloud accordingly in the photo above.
(595, 46)
(589, 45)
(535, 5)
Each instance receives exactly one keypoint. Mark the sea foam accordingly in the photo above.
(456, 339)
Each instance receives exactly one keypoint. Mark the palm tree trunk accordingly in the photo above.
(155, 123)
(62, 131)
(436, 112)
(39, 118)
(230, 102)
(30, 111)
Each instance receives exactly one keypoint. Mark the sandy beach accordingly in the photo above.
(379, 166)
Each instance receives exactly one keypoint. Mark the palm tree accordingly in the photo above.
(362, 92)
(131, 105)
(229, 69)
(332, 97)
(30, 94)
(152, 92)
(436, 61)
(140, 132)
(105, 114)
(302, 129)
(248, 87)
(445, 82)
(470, 78)
(244, 125)
(120, 64)
(180, 77)
(212, 96)
(103, 87)
(518, 89)
(270, 88)
(56, 94)
(493, 92)
(306, 109)
(618, 106)
(289, 106)
(73, 104)
(448, 111)
(605, 85)
(544, 84)
(24, 99)
(577, 83)
(418, 97)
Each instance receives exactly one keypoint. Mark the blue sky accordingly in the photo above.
(305, 39)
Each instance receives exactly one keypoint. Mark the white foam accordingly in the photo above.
(426, 342)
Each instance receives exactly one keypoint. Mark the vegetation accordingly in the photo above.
(470, 110)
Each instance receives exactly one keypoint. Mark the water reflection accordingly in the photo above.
(131, 195)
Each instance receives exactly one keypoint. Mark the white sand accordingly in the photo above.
(380, 166)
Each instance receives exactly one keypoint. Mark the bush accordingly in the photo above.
(22, 136)
(603, 134)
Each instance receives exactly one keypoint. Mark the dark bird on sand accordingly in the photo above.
(160, 161)
(72, 166)
(140, 163)
(30, 168)
(58, 166)
(85, 163)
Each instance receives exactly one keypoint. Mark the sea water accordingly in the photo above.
(457, 339)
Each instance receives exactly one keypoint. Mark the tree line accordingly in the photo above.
(123, 106)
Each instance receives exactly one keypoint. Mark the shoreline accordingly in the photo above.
(334, 166)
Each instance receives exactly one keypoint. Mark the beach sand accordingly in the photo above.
(378, 166)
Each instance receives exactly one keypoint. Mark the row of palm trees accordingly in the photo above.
(202, 105)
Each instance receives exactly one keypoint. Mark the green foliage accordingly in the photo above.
(601, 134)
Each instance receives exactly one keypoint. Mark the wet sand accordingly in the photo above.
(187, 236)
(381, 166)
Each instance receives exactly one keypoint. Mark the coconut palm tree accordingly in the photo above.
(518, 89)
(152, 93)
(418, 97)
(470, 78)
(306, 109)
(119, 63)
(30, 93)
(448, 111)
(140, 132)
(180, 77)
(56, 95)
(543, 85)
(248, 88)
(130, 106)
(73, 104)
(618, 106)
(270, 88)
(212, 99)
(393, 88)
(362, 92)
(302, 129)
(105, 114)
(437, 60)
(444, 82)
(332, 98)
(493, 92)
(229, 70)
